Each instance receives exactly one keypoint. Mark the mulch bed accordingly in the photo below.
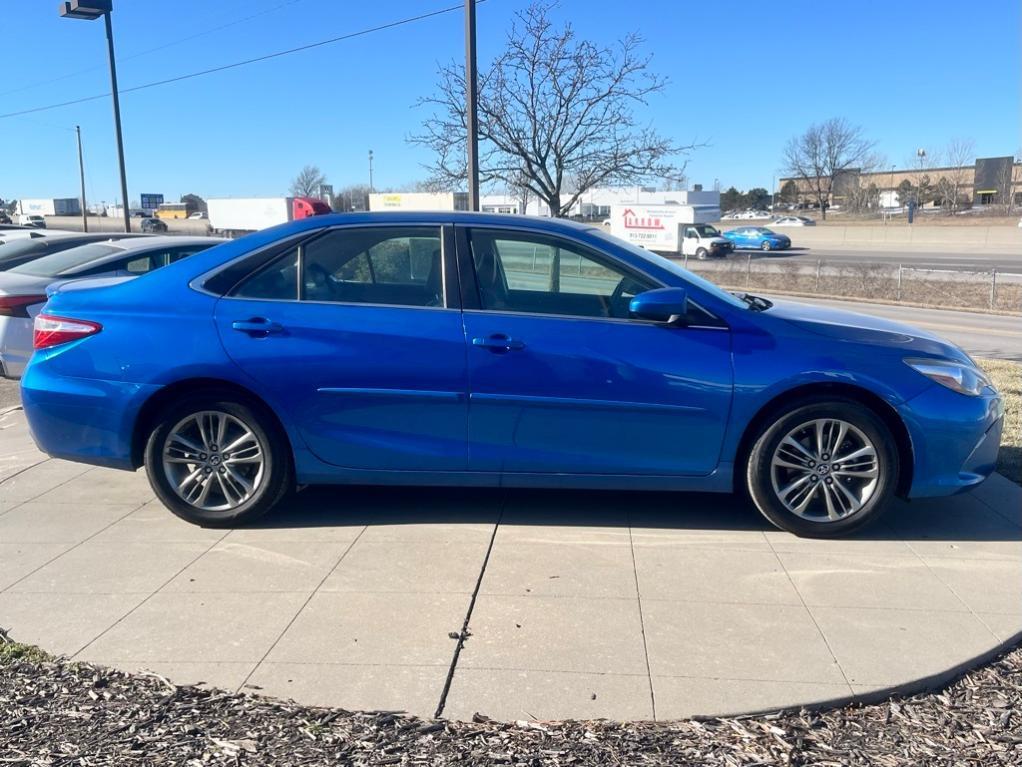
(55, 712)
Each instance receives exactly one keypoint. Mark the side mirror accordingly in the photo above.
(660, 305)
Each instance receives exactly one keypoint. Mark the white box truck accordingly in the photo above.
(58, 206)
(671, 229)
(418, 201)
(235, 216)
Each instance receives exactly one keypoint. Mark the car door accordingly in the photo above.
(351, 333)
(561, 380)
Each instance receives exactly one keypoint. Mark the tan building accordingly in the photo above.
(987, 182)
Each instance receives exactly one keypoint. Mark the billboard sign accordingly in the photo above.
(151, 201)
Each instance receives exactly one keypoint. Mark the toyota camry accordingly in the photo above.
(471, 349)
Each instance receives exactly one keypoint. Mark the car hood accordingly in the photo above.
(854, 327)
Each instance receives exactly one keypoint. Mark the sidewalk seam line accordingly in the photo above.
(951, 588)
(812, 617)
(642, 620)
(442, 703)
(69, 549)
(301, 608)
(151, 594)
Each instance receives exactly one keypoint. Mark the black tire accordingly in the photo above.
(701, 254)
(760, 477)
(275, 478)
(765, 247)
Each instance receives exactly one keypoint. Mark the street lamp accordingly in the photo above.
(90, 10)
(370, 171)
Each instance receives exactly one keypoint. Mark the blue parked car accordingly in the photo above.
(757, 238)
(468, 349)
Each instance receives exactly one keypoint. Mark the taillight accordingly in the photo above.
(54, 331)
(17, 306)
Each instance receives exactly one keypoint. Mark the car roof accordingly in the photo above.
(466, 218)
(157, 241)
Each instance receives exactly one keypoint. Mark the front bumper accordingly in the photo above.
(955, 440)
(82, 419)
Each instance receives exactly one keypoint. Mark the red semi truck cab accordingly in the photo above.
(304, 207)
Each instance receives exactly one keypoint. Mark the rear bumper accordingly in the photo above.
(955, 440)
(82, 419)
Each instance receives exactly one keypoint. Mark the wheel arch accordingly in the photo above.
(152, 407)
(786, 400)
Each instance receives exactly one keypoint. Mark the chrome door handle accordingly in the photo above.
(498, 342)
(258, 327)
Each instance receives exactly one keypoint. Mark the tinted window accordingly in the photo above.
(278, 280)
(57, 263)
(375, 265)
(526, 273)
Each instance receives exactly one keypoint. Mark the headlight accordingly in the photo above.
(956, 376)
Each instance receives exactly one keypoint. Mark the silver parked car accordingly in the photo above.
(23, 288)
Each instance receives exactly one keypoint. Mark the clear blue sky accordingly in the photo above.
(745, 76)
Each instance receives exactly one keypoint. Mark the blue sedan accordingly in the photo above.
(468, 349)
(757, 238)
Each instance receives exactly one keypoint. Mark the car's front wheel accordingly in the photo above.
(766, 245)
(217, 461)
(823, 469)
(701, 254)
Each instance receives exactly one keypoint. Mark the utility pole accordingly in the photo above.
(90, 10)
(370, 171)
(117, 120)
(471, 114)
(81, 174)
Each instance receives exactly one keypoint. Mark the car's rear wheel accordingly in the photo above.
(823, 469)
(701, 254)
(217, 461)
(766, 245)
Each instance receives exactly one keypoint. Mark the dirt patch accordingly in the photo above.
(879, 282)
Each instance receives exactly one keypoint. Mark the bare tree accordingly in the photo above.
(352, 198)
(1009, 179)
(556, 115)
(825, 152)
(959, 154)
(307, 182)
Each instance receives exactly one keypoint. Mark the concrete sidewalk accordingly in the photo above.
(628, 606)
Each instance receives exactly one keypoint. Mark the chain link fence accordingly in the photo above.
(878, 281)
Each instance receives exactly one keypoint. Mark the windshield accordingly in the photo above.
(673, 268)
(705, 230)
(764, 230)
(21, 247)
(57, 263)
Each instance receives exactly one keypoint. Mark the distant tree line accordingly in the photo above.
(756, 198)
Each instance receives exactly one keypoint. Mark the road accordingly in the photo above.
(981, 335)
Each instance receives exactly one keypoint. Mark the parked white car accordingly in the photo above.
(23, 288)
(793, 221)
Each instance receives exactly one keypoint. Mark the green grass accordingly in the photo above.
(12, 652)
(1007, 377)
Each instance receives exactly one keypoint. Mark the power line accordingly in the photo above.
(171, 44)
(235, 65)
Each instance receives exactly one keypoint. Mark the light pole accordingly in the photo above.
(471, 113)
(90, 10)
(370, 171)
(81, 174)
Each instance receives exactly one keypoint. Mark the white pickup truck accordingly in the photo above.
(673, 229)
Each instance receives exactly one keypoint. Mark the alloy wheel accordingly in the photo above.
(825, 470)
(213, 460)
